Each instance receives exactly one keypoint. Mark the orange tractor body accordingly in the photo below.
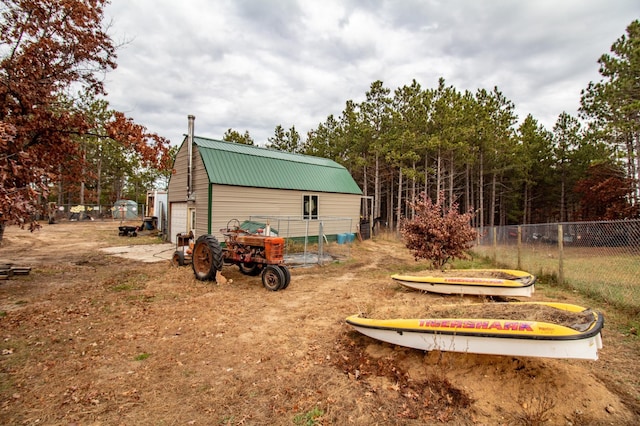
(253, 253)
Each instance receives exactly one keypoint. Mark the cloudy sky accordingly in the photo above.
(251, 65)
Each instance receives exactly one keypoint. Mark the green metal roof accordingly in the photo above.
(229, 163)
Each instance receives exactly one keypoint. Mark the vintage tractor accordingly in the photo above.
(253, 253)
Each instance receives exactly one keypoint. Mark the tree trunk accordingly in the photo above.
(376, 189)
(636, 172)
(119, 185)
(99, 183)
(472, 200)
(481, 193)
(467, 190)
(562, 201)
(562, 194)
(413, 190)
(390, 202)
(502, 206)
(492, 205)
(60, 198)
(84, 173)
(451, 173)
(438, 176)
(426, 174)
(366, 193)
(399, 216)
(525, 204)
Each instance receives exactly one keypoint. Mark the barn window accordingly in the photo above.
(310, 207)
(192, 220)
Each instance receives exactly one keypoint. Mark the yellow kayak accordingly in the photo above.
(485, 282)
(498, 336)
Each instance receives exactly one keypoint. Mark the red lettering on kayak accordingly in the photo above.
(470, 324)
(511, 326)
(476, 324)
(482, 324)
(525, 326)
(473, 280)
(456, 324)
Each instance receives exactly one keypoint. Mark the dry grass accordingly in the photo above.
(95, 339)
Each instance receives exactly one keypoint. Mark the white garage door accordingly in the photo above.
(178, 212)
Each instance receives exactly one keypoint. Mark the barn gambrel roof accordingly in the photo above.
(229, 163)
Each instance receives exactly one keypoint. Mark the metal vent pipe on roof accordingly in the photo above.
(191, 119)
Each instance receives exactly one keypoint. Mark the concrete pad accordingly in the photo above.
(145, 253)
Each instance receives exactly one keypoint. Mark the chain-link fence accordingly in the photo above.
(311, 242)
(82, 212)
(601, 259)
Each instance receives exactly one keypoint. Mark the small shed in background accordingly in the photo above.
(157, 208)
(125, 210)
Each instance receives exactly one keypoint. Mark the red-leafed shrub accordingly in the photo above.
(437, 233)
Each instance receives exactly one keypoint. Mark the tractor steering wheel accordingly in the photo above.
(235, 223)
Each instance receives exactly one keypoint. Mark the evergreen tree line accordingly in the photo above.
(471, 148)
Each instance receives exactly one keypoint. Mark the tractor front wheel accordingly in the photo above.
(273, 278)
(287, 276)
(250, 268)
(207, 258)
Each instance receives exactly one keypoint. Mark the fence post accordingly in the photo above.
(519, 247)
(320, 241)
(560, 255)
(306, 238)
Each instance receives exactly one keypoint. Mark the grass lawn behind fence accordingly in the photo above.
(610, 275)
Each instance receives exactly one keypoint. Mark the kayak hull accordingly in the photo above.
(522, 285)
(488, 336)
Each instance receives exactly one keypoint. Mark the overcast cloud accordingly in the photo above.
(252, 65)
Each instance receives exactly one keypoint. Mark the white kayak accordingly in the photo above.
(481, 282)
(497, 336)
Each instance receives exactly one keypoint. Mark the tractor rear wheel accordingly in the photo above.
(207, 258)
(273, 278)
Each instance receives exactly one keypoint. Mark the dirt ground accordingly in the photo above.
(89, 338)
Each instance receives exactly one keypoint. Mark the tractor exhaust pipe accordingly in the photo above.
(191, 119)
